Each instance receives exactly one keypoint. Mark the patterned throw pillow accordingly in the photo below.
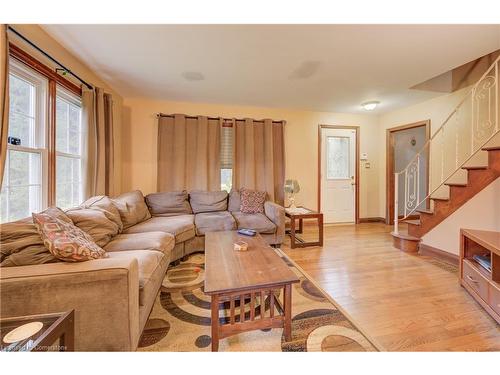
(252, 201)
(63, 239)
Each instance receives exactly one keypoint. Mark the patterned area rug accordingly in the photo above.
(180, 320)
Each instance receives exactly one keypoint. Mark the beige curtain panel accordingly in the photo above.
(97, 116)
(259, 157)
(188, 153)
(4, 97)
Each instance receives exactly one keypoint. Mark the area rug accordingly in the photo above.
(180, 319)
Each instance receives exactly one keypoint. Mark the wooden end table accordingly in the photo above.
(252, 277)
(58, 332)
(299, 214)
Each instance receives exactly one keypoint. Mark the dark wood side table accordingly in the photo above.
(299, 214)
(57, 333)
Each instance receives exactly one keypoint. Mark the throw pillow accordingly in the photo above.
(22, 245)
(98, 217)
(252, 201)
(234, 201)
(132, 208)
(168, 203)
(64, 240)
(208, 201)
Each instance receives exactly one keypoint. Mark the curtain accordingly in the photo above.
(188, 153)
(97, 117)
(259, 160)
(4, 97)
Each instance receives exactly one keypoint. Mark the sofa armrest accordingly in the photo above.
(276, 214)
(104, 294)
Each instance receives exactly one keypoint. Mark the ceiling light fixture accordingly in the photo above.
(370, 106)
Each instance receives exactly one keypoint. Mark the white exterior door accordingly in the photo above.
(338, 175)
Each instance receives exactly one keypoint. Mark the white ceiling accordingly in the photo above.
(317, 67)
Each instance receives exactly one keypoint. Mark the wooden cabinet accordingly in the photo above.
(483, 284)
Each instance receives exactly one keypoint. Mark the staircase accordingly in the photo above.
(471, 129)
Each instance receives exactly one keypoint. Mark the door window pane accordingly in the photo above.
(337, 158)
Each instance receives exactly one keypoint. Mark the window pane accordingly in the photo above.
(21, 189)
(21, 95)
(74, 130)
(69, 186)
(62, 124)
(226, 179)
(337, 157)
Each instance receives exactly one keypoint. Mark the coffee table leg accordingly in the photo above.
(215, 323)
(287, 302)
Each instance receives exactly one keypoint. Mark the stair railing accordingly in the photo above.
(471, 125)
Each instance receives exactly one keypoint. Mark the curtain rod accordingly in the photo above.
(214, 118)
(10, 28)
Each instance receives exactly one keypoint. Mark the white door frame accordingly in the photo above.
(356, 187)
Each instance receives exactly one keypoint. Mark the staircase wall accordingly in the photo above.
(480, 212)
(436, 109)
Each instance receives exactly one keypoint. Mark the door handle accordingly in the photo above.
(352, 181)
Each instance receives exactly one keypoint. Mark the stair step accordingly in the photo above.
(426, 211)
(459, 184)
(491, 148)
(476, 167)
(440, 199)
(405, 236)
(413, 222)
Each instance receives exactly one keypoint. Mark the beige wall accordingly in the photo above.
(487, 202)
(301, 144)
(38, 36)
(436, 110)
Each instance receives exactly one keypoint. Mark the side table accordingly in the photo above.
(57, 333)
(299, 214)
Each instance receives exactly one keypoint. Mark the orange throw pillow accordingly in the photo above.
(63, 239)
(252, 201)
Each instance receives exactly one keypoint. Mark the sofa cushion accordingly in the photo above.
(234, 201)
(64, 240)
(258, 222)
(99, 217)
(213, 222)
(151, 267)
(252, 201)
(132, 208)
(208, 201)
(168, 203)
(159, 241)
(181, 226)
(22, 245)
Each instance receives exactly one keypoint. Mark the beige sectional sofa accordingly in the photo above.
(113, 297)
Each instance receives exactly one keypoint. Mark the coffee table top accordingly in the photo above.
(228, 270)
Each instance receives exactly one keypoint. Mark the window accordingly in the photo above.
(226, 157)
(44, 160)
(337, 152)
(69, 139)
(25, 173)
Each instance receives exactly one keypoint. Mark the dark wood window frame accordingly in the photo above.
(53, 79)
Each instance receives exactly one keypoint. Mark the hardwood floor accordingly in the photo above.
(403, 302)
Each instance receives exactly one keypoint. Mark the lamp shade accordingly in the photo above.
(292, 186)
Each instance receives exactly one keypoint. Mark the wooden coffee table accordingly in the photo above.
(249, 276)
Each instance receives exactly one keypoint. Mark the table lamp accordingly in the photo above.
(292, 187)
